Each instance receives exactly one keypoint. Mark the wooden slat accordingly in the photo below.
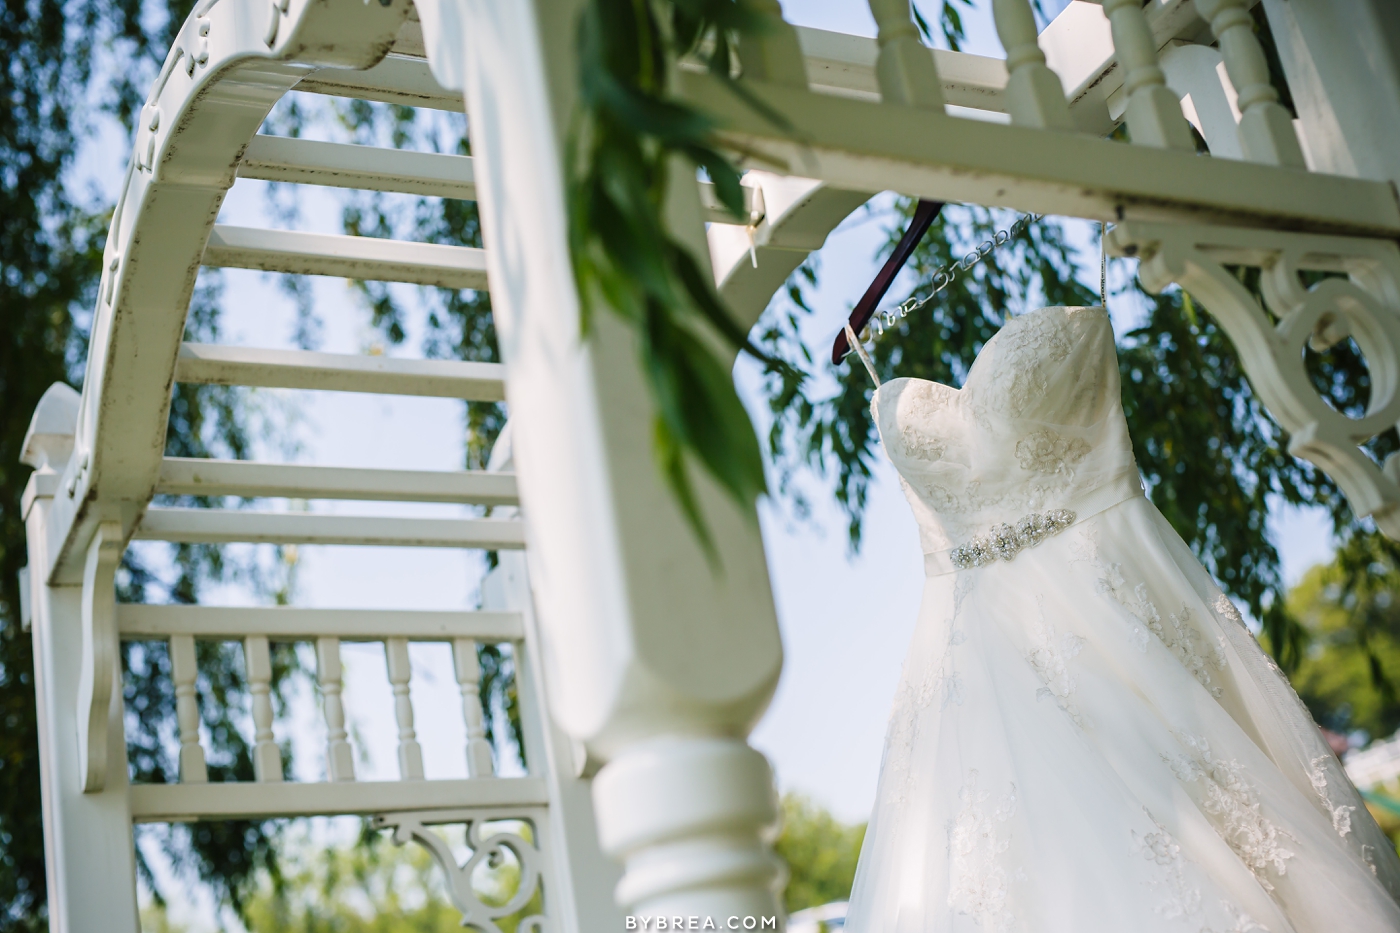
(858, 145)
(398, 79)
(183, 476)
(288, 623)
(151, 803)
(337, 165)
(212, 364)
(352, 257)
(227, 526)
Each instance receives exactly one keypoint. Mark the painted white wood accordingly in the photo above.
(184, 671)
(620, 582)
(1364, 306)
(351, 257)
(1266, 129)
(88, 849)
(1078, 46)
(584, 877)
(718, 214)
(218, 83)
(139, 621)
(1343, 70)
(751, 265)
(397, 79)
(226, 526)
(267, 757)
(853, 144)
(467, 667)
(845, 66)
(1154, 114)
(337, 165)
(773, 52)
(904, 70)
(400, 673)
(1196, 73)
(182, 476)
(159, 803)
(99, 653)
(1034, 96)
(340, 759)
(339, 372)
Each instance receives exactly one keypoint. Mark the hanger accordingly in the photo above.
(924, 215)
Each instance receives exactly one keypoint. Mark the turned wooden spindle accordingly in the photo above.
(1266, 129)
(184, 670)
(410, 752)
(773, 54)
(1034, 96)
(1154, 114)
(468, 668)
(905, 68)
(340, 760)
(267, 757)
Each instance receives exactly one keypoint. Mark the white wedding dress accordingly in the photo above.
(1086, 738)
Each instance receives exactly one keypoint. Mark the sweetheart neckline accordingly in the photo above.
(957, 390)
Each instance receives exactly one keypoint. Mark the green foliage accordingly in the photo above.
(1350, 612)
(629, 136)
(820, 853)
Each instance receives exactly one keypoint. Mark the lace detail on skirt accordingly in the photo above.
(976, 843)
(1341, 815)
(1232, 800)
(1182, 639)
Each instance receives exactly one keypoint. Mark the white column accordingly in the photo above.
(468, 669)
(1342, 61)
(267, 757)
(1266, 129)
(1154, 114)
(905, 68)
(184, 671)
(648, 654)
(1034, 96)
(400, 672)
(88, 848)
(340, 760)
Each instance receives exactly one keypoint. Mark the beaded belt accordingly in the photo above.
(1005, 541)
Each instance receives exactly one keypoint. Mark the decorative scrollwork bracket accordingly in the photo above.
(99, 658)
(1363, 305)
(488, 850)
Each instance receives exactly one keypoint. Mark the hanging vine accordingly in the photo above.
(630, 134)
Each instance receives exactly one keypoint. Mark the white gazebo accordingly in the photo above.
(641, 671)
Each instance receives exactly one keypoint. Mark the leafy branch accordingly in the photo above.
(630, 134)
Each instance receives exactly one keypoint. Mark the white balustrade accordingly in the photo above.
(905, 68)
(1266, 129)
(267, 757)
(340, 759)
(468, 668)
(400, 670)
(1034, 96)
(184, 670)
(1154, 114)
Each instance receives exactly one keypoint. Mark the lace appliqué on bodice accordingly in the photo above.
(1045, 451)
(1037, 425)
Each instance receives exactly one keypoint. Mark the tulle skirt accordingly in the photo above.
(1087, 738)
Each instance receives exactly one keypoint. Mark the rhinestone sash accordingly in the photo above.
(1004, 541)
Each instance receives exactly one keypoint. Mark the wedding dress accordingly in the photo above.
(1086, 738)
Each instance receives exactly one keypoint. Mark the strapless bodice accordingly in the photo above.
(1036, 430)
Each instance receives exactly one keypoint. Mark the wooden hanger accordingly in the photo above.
(924, 215)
